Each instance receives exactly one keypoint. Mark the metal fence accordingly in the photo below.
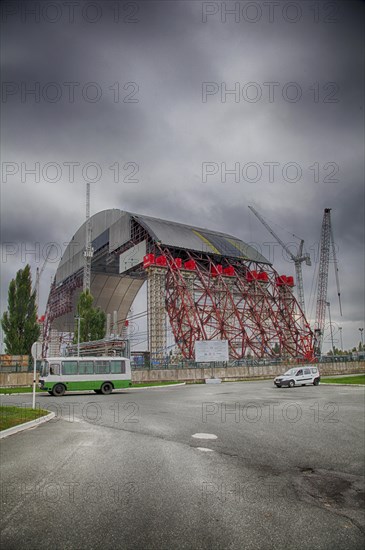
(25, 363)
(285, 361)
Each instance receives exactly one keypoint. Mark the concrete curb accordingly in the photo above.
(25, 393)
(27, 425)
(152, 387)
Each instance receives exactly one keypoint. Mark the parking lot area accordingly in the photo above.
(234, 465)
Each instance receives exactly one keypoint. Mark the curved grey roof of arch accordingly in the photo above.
(113, 227)
(180, 235)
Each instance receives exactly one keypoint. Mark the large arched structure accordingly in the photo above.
(205, 284)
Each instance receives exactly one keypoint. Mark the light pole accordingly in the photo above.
(340, 329)
(329, 316)
(78, 319)
(361, 330)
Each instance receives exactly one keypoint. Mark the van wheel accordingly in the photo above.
(58, 390)
(291, 384)
(106, 388)
(316, 382)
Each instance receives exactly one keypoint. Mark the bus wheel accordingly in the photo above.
(106, 388)
(58, 390)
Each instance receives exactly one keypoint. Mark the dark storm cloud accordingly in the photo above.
(168, 52)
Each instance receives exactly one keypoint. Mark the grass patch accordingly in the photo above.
(161, 383)
(360, 379)
(13, 416)
(19, 389)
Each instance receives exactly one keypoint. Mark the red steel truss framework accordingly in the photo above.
(59, 303)
(255, 316)
(258, 316)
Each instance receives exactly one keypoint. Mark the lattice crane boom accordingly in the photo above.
(39, 275)
(327, 241)
(297, 259)
(336, 269)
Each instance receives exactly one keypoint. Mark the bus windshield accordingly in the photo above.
(44, 368)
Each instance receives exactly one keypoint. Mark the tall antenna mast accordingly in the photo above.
(89, 251)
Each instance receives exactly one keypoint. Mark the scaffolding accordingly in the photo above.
(156, 313)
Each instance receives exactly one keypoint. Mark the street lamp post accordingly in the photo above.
(329, 316)
(78, 318)
(340, 329)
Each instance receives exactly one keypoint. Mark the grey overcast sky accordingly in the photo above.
(189, 111)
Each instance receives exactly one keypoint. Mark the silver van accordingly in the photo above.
(298, 376)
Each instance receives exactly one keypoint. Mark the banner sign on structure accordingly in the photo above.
(211, 350)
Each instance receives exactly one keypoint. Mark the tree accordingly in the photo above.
(276, 349)
(19, 323)
(92, 322)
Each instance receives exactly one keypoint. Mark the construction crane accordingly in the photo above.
(327, 241)
(38, 277)
(297, 259)
(89, 251)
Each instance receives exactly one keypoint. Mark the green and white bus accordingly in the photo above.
(101, 374)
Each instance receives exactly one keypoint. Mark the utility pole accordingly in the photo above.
(78, 319)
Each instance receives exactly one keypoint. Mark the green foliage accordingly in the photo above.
(93, 320)
(12, 416)
(358, 379)
(19, 323)
(276, 349)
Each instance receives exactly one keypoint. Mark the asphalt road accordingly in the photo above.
(285, 470)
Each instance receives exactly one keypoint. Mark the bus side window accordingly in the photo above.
(102, 367)
(54, 369)
(69, 367)
(117, 367)
(86, 367)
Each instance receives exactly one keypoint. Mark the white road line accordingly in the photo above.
(204, 436)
